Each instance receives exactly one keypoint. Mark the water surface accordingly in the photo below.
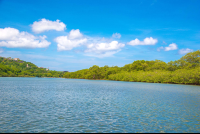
(78, 105)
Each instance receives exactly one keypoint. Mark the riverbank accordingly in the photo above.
(180, 76)
(141, 81)
(197, 84)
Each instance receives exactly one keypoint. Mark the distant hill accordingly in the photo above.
(14, 67)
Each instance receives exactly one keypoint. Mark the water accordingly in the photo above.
(73, 105)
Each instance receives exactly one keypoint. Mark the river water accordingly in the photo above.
(76, 105)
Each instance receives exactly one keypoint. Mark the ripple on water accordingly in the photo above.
(66, 105)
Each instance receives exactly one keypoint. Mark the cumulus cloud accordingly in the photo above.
(184, 51)
(75, 34)
(69, 42)
(172, 46)
(46, 25)
(116, 35)
(8, 33)
(95, 47)
(103, 47)
(64, 43)
(146, 41)
(21, 39)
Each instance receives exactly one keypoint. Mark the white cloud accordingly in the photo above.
(8, 33)
(94, 46)
(116, 35)
(184, 51)
(21, 39)
(64, 43)
(46, 25)
(74, 34)
(172, 46)
(146, 41)
(103, 47)
(158, 49)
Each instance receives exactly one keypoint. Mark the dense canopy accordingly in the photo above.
(186, 70)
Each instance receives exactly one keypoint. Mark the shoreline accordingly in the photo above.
(142, 81)
(110, 80)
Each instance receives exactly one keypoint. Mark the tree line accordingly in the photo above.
(186, 70)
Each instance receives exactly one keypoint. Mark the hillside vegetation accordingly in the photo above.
(186, 70)
(19, 68)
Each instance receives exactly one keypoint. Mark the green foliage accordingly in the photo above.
(183, 71)
(12, 68)
(186, 70)
(192, 58)
(180, 76)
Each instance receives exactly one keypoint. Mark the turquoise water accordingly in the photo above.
(76, 105)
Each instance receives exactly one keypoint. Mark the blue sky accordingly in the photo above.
(68, 35)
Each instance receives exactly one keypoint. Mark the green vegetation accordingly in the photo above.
(19, 68)
(186, 70)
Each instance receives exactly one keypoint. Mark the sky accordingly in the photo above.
(70, 35)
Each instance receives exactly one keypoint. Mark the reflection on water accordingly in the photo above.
(74, 105)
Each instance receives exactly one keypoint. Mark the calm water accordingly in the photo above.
(74, 105)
